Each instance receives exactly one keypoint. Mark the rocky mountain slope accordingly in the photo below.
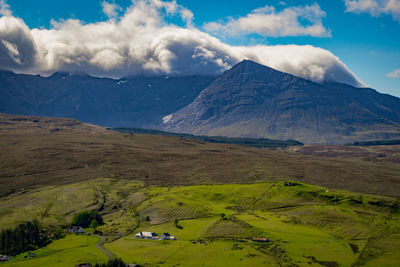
(252, 100)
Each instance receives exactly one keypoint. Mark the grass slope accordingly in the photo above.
(306, 224)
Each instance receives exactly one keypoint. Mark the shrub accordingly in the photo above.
(177, 224)
(93, 224)
(354, 248)
(116, 262)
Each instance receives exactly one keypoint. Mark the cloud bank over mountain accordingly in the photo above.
(142, 42)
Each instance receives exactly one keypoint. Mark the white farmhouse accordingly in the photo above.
(75, 229)
(4, 258)
(146, 235)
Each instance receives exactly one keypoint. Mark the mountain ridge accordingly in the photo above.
(129, 102)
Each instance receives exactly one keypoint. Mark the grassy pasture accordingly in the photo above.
(68, 251)
(187, 253)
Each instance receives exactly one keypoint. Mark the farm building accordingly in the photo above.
(75, 229)
(4, 258)
(167, 236)
(146, 235)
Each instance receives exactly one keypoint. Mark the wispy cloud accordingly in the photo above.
(141, 41)
(111, 9)
(267, 21)
(375, 7)
(4, 8)
(394, 74)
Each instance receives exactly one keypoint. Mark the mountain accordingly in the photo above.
(249, 100)
(129, 102)
(252, 100)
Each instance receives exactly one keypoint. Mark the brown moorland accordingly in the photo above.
(37, 151)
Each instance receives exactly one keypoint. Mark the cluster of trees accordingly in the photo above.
(116, 262)
(25, 237)
(86, 219)
(377, 143)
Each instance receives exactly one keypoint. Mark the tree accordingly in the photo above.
(24, 237)
(93, 224)
(85, 218)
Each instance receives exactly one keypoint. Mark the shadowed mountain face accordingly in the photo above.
(252, 100)
(129, 102)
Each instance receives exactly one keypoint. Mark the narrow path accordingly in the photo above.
(99, 246)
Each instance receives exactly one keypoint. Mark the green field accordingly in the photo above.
(186, 253)
(305, 224)
(68, 251)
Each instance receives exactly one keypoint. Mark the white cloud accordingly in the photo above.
(17, 47)
(4, 8)
(267, 21)
(141, 42)
(306, 61)
(172, 8)
(110, 9)
(394, 74)
(374, 7)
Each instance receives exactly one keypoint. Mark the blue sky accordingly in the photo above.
(365, 39)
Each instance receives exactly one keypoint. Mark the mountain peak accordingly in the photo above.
(248, 70)
(249, 63)
(254, 68)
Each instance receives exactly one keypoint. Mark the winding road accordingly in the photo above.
(99, 246)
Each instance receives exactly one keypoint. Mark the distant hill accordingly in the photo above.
(252, 100)
(126, 102)
(35, 154)
(17, 124)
